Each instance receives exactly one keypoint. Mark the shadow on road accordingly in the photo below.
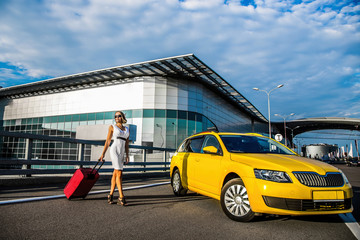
(313, 218)
(356, 203)
(137, 200)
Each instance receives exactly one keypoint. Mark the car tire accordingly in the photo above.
(235, 201)
(176, 184)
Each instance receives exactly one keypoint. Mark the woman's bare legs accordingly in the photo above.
(112, 188)
(119, 182)
(121, 200)
(116, 180)
(113, 182)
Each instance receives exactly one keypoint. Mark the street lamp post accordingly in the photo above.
(284, 117)
(268, 94)
(292, 134)
(298, 143)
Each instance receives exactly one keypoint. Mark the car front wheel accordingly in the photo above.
(235, 201)
(176, 184)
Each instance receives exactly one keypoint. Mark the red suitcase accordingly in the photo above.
(81, 182)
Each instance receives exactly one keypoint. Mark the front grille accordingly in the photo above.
(312, 179)
(306, 205)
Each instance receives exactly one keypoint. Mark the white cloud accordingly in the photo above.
(7, 74)
(201, 5)
(311, 47)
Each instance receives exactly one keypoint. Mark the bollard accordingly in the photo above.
(28, 153)
(81, 153)
(164, 157)
(144, 159)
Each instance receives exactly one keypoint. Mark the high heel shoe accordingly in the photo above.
(110, 199)
(122, 201)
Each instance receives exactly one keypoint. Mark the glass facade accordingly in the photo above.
(165, 110)
(60, 126)
(175, 125)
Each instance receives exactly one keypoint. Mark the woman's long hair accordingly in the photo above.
(123, 118)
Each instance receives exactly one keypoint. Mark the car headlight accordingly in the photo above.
(274, 176)
(344, 177)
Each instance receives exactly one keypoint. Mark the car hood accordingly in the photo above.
(280, 162)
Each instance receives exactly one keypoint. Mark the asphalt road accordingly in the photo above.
(154, 213)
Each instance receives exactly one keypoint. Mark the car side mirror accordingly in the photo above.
(210, 149)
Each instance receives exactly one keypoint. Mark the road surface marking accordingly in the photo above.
(348, 218)
(63, 195)
(351, 223)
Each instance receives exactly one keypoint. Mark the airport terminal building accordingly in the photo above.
(164, 100)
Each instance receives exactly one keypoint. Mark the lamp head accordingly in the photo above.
(256, 89)
(281, 85)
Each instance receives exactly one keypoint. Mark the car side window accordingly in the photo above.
(194, 144)
(211, 140)
(182, 147)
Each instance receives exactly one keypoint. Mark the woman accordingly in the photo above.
(120, 146)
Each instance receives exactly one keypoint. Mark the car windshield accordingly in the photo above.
(253, 144)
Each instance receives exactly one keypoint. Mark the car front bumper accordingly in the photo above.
(297, 199)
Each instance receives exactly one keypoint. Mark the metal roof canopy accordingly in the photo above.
(310, 124)
(188, 66)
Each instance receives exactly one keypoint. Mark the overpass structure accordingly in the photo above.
(296, 127)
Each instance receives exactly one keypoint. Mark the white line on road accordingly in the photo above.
(351, 223)
(348, 218)
(63, 195)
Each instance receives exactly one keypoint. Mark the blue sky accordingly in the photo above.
(312, 47)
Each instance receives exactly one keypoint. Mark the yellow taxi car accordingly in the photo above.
(251, 174)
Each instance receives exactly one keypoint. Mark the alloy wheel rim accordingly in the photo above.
(176, 182)
(237, 201)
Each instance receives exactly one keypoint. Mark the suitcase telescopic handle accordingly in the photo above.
(97, 170)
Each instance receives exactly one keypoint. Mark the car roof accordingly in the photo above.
(229, 134)
(226, 133)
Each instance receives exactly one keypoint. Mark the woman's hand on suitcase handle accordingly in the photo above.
(102, 159)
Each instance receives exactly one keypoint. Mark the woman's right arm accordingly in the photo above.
(107, 142)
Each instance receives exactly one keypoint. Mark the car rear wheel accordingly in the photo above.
(235, 201)
(176, 184)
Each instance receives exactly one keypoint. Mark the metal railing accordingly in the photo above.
(28, 161)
